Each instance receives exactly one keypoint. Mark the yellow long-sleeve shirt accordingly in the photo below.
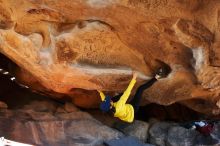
(102, 95)
(124, 111)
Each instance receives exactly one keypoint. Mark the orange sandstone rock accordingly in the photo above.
(72, 48)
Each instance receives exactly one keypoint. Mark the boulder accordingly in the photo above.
(170, 134)
(44, 127)
(138, 129)
(158, 133)
(179, 136)
(70, 49)
(3, 105)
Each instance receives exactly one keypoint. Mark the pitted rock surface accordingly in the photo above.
(72, 48)
(50, 127)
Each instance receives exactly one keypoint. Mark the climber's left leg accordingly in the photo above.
(135, 102)
(117, 97)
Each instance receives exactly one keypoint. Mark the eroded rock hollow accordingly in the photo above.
(70, 49)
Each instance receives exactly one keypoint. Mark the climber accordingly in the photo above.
(117, 105)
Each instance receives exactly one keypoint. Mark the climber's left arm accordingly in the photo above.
(102, 95)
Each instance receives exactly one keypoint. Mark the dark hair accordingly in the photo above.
(163, 70)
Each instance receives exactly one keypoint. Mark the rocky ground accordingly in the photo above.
(48, 123)
(44, 123)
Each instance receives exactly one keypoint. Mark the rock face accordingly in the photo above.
(170, 134)
(44, 123)
(137, 129)
(72, 48)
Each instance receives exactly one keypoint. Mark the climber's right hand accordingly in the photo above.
(135, 75)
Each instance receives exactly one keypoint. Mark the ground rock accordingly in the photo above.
(41, 106)
(69, 107)
(54, 128)
(179, 136)
(216, 131)
(138, 129)
(158, 133)
(169, 134)
(3, 105)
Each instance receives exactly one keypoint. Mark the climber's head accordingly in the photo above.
(105, 105)
(163, 71)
